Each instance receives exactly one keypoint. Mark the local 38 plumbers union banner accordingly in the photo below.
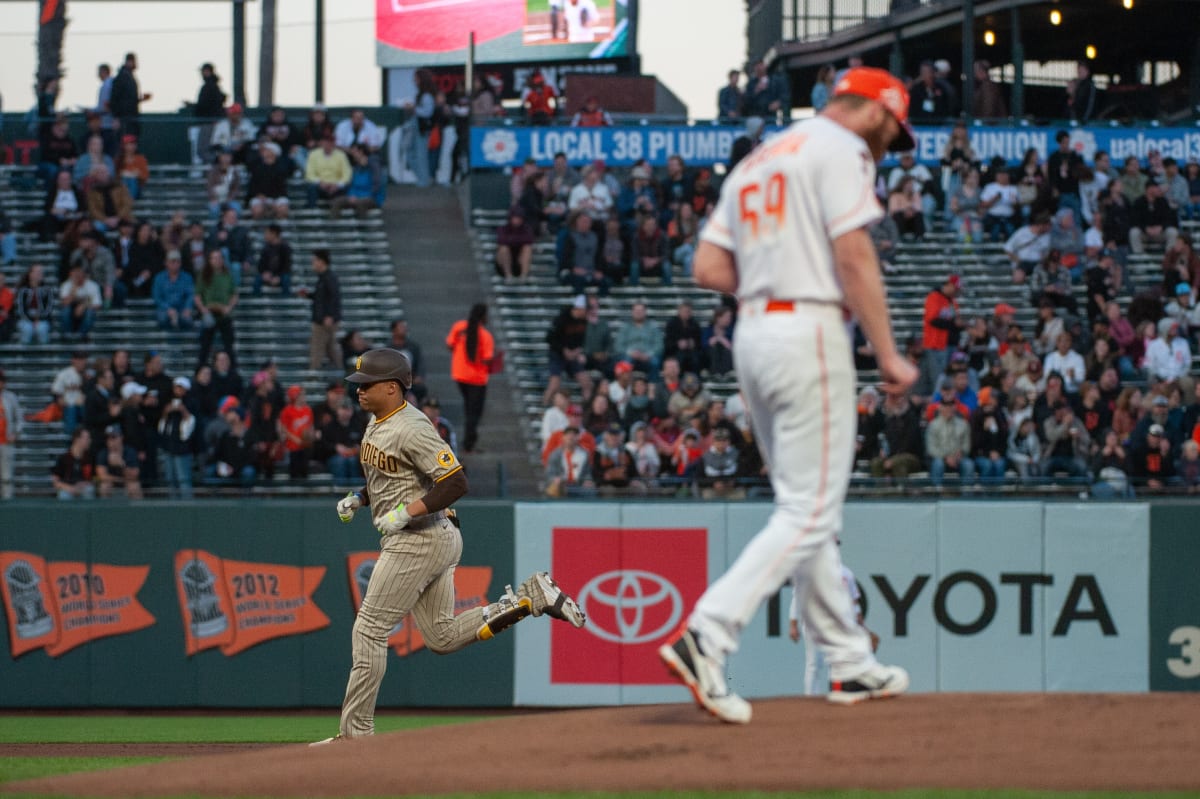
(705, 144)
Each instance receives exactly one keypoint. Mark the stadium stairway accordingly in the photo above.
(435, 268)
(269, 326)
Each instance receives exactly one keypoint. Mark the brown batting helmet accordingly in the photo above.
(382, 363)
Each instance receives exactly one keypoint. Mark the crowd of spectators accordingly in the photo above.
(130, 430)
(1077, 399)
(646, 423)
(606, 233)
(97, 211)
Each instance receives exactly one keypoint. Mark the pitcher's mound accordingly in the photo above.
(1031, 741)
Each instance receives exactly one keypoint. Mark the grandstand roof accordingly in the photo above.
(1124, 38)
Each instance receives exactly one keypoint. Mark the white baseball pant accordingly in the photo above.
(797, 375)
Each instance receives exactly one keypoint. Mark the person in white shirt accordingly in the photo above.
(922, 177)
(1028, 247)
(1066, 362)
(78, 299)
(365, 133)
(591, 196)
(234, 134)
(646, 460)
(554, 418)
(1169, 356)
(998, 201)
(1183, 309)
(10, 412)
(67, 389)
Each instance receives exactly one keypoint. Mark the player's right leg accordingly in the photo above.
(445, 632)
(395, 584)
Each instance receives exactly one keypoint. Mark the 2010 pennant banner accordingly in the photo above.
(59, 605)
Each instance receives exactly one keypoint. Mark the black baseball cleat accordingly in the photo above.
(878, 682)
(546, 597)
(705, 678)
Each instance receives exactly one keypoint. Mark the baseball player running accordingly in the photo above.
(789, 237)
(412, 479)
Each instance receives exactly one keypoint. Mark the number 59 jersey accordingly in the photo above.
(784, 204)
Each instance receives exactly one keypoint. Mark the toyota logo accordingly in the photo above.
(630, 594)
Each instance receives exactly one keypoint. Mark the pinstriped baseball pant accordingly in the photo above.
(415, 572)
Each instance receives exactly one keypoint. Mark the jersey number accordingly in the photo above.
(763, 202)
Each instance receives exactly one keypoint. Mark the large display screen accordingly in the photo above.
(425, 33)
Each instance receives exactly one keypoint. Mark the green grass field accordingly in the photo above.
(285, 729)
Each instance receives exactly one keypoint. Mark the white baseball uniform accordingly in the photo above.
(816, 671)
(580, 16)
(779, 212)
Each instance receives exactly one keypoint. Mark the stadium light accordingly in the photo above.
(989, 38)
(1056, 17)
(1127, 3)
(1091, 52)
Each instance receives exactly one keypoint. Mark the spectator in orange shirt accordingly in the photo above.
(296, 431)
(941, 329)
(472, 349)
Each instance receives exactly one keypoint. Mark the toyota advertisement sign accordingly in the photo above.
(1022, 597)
(636, 585)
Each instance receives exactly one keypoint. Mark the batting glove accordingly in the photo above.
(347, 505)
(395, 521)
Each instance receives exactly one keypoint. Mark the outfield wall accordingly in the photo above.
(250, 604)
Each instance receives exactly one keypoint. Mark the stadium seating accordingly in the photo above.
(524, 310)
(268, 326)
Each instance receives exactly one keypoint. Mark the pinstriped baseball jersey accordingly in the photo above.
(402, 457)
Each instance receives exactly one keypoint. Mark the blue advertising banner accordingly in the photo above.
(499, 147)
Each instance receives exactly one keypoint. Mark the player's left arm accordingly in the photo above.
(714, 268)
(431, 454)
(444, 493)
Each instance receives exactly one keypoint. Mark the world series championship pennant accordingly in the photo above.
(59, 605)
(234, 605)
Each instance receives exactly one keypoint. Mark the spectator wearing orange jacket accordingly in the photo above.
(941, 329)
(472, 349)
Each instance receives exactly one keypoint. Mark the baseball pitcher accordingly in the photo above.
(789, 237)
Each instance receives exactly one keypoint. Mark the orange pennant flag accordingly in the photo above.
(96, 602)
(270, 600)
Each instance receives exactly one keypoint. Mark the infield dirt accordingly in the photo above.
(1034, 741)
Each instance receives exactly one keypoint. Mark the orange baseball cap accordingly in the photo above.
(886, 89)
